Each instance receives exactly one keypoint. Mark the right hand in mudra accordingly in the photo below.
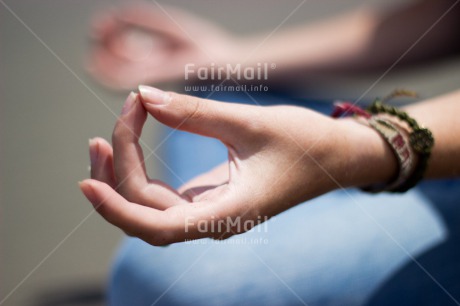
(278, 157)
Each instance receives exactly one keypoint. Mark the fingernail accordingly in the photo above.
(93, 151)
(155, 96)
(129, 103)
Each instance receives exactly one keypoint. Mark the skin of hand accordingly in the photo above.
(146, 44)
(278, 157)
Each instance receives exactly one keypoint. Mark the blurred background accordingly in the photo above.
(54, 250)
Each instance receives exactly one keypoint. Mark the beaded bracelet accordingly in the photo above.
(420, 139)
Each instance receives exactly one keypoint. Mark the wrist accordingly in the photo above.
(370, 158)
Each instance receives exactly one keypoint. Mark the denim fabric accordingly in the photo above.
(343, 248)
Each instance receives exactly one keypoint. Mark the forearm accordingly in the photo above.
(325, 45)
(363, 39)
(441, 116)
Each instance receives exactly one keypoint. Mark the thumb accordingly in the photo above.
(228, 122)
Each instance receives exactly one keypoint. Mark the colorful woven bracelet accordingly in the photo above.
(420, 141)
(399, 143)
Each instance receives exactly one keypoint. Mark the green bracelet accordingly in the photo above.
(420, 138)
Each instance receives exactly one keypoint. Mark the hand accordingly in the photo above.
(278, 157)
(146, 44)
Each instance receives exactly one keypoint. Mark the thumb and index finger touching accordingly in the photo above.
(224, 121)
(209, 118)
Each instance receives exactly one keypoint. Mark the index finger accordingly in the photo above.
(129, 163)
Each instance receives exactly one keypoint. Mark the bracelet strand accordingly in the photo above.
(420, 140)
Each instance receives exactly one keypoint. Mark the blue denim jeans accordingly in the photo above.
(343, 248)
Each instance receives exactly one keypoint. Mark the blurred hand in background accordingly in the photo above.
(144, 44)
